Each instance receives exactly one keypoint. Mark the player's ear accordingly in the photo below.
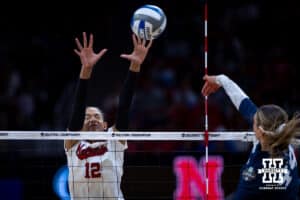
(104, 125)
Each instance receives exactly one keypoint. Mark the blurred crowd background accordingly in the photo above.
(253, 42)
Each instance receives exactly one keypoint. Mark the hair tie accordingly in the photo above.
(280, 127)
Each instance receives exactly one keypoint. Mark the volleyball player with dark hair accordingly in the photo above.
(96, 167)
(275, 132)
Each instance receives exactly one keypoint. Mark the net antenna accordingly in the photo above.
(206, 98)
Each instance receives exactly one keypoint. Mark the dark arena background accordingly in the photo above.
(256, 43)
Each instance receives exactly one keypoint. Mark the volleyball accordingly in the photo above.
(148, 22)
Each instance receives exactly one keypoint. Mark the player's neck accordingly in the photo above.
(264, 146)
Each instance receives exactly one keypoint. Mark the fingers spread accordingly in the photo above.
(84, 40)
(102, 52)
(77, 52)
(126, 56)
(134, 39)
(79, 46)
(138, 40)
(91, 42)
(149, 44)
(143, 42)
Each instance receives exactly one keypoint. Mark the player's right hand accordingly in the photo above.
(86, 53)
(210, 86)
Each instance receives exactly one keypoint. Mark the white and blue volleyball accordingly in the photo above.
(148, 22)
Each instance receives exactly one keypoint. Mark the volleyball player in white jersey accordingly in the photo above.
(96, 167)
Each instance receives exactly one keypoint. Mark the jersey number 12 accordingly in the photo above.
(92, 170)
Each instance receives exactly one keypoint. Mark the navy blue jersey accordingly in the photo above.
(262, 177)
(265, 178)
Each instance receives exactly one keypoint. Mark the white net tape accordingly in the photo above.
(162, 136)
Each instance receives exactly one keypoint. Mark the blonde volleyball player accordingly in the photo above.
(96, 167)
(271, 171)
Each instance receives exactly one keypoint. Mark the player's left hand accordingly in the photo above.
(140, 51)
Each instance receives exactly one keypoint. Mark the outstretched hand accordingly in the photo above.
(139, 52)
(86, 53)
(210, 85)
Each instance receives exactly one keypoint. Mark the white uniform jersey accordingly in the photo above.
(95, 170)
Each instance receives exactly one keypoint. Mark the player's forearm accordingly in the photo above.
(85, 72)
(240, 100)
(78, 109)
(235, 93)
(125, 100)
(134, 67)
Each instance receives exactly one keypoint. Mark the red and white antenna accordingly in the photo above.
(205, 102)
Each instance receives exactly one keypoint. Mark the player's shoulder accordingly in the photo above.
(111, 129)
(70, 144)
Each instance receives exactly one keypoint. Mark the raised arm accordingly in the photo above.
(237, 96)
(136, 59)
(88, 60)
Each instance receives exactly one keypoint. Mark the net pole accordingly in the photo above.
(206, 98)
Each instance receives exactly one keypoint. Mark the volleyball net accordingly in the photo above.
(131, 135)
(157, 165)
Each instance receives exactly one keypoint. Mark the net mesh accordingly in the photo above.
(157, 165)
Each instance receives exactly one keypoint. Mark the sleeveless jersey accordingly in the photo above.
(96, 169)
